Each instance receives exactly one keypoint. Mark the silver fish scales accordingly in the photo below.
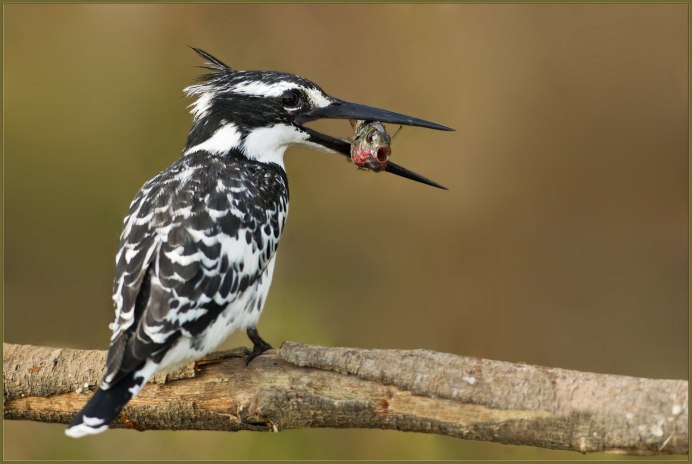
(371, 147)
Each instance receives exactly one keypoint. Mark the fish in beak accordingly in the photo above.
(371, 147)
(341, 109)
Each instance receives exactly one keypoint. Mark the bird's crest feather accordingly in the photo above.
(216, 64)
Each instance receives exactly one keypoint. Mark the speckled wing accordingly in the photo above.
(195, 238)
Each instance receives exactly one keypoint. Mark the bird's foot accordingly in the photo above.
(256, 351)
(259, 345)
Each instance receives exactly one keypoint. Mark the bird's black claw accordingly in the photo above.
(259, 345)
(256, 351)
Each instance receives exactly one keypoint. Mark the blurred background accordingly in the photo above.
(562, 241)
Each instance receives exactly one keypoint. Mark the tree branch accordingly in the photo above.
(300, 386)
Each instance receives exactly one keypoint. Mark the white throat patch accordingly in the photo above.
(268, 144)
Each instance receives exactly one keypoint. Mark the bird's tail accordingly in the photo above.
(105, 405)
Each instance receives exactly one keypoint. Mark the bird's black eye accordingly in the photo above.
(291, 98)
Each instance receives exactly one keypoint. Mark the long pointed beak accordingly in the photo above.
(342, 109)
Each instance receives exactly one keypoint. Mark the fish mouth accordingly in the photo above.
(370, 156)
(382, 153)
(342, 109)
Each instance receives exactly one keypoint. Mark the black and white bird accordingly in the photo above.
(199, 242)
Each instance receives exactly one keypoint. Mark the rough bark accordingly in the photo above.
(299, 386)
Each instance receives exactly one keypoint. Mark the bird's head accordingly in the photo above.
(260, 113)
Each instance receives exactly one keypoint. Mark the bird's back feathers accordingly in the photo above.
(198, 241)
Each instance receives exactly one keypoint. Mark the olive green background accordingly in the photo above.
(562, 241)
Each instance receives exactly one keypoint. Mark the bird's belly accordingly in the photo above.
(241, 313)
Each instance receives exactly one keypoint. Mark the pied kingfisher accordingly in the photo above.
(198, 245)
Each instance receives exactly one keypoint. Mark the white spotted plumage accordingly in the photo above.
(195, 264)
(198, 245)
(196, 253)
